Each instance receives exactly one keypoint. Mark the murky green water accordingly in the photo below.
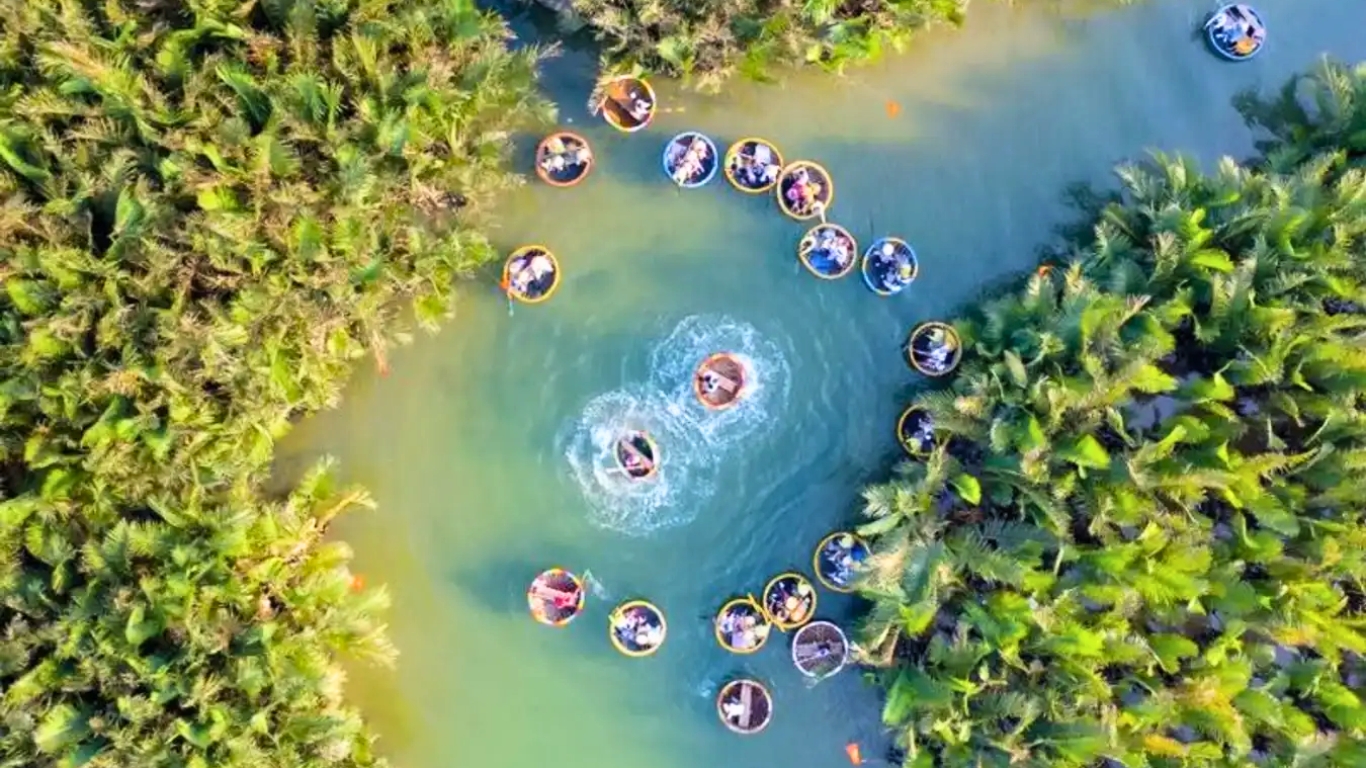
(467, 443)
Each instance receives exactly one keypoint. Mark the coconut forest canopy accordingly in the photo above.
(208, 211)
(1141, 541)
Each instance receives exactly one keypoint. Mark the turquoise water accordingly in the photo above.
(476, 442)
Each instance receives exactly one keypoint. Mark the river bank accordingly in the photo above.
(466, 443)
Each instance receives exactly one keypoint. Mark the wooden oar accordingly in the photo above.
(746, 701)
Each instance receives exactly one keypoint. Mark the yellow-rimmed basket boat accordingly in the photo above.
(719, 382)
(753, 165)
(836, 558)
(555, 597)
(637, 628)
(934, 349)
(745, 706)
(535, 288)
(820, 650)
(915, 432)
(624, 100)
(828, 251)
(805, 190)
(742, 626)
(563, 159)
(789, 600)
(636, 455)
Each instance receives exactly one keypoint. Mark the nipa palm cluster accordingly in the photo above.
(209, 211)
(1140, 540)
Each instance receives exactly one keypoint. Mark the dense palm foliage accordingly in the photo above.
(1141, 540)
(208, 211)
(708, 41)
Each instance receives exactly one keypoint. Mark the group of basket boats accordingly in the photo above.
(804, 190)
(742, 625)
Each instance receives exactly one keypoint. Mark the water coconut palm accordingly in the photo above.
(208, 214)
(1140, 544)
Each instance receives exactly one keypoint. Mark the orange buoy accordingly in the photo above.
(893, 109)
(1044, 270)
(357, 583)
(851, 749)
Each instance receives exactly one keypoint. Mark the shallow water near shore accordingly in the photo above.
(480, 445)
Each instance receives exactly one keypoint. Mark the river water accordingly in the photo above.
(473, 444)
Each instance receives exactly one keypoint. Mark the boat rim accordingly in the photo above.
(816, 560)
(664, 159)
(555, 275)
(734, 149)
(844, 640)
(927, 326)
(901, 431)
(616, 641)
(544, 175)
(578, 586)
(654, 104)
(807, 262)
(721, 696)
(697, 387)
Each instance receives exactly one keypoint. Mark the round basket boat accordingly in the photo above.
(915, 431)
(744, 706)
(719, 382)
(1236, 32)
(531, 274)
(628, 103)
(828, 251)
(563, 159)
(934, 349)
(837, 559)
(889, 266)
(637, 628)
(789, 600)
(637, 455)
(690, 159)
(555, 597)
(753, 165)
(820, 650)
(742, 626)
(805, 190)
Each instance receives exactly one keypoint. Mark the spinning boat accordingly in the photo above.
(636, 455)
(719, 382)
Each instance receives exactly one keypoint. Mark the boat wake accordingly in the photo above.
(694, 442)
(675, 359)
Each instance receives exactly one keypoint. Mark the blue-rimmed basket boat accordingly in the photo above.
(679, 150)
(886, 257)
(1236, 32)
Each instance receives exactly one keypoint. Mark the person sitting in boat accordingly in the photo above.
(733, 709)
(804, 194)
(561, 155)
(831, 252)
(637, 629)
(789, 603)
(640, 107)
(842, 555)
(635, 464)
(692, 164)
(527, 274)
(711, 382)
(757, 168)
(923, 434)
(563, 602)
(940, 350)
(895, 269)
(742, 630)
